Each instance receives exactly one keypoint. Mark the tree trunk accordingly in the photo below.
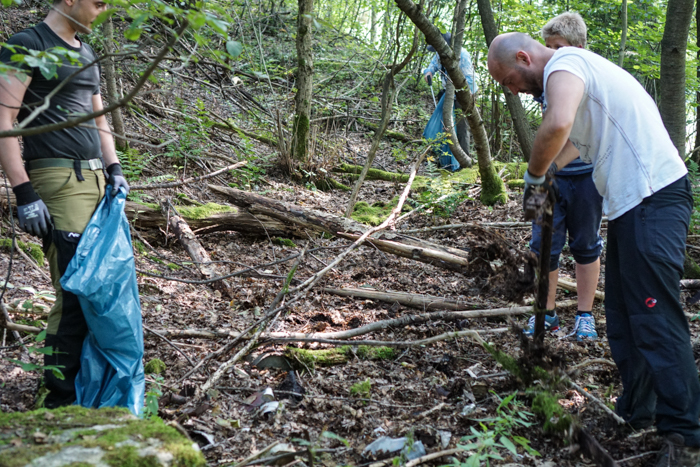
(373, 26)
(112, 94)
(623, 38)
(461, 154)
(673, 49)
(388, 90)
(305, 70)
(517, 113)
(492, 187)
(386, 30)
(696, 156)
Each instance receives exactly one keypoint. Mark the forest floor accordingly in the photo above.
(436, 394)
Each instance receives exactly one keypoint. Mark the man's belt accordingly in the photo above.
(91, 164)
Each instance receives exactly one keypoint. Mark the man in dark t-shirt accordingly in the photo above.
(61, 181)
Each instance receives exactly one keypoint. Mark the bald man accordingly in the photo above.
(599, 111)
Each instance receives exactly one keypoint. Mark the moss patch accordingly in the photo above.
(113, 435)
(32, 249)
(492, 190)
(203, 212)
(155, 366)
(310, 359)
(546, 405)
(377, 212)
(284, 242)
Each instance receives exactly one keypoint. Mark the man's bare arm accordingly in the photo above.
(564, 94)
(12, 90)
(567, 154)
(109, 154)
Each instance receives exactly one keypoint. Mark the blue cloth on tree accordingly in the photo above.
(103, 276)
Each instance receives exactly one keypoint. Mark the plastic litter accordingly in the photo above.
(434, 127)
(103, 276)
(385, 445)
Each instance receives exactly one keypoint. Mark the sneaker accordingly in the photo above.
(585, 327)
(676, 454)
(551, 323)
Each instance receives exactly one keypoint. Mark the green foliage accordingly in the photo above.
(34, 349)
(202, 212)
(32, 249)
(133, 162)
(546, 406)
(155, 392)
(694, 177)
(362, 389)
(284, 242)
(496, 435)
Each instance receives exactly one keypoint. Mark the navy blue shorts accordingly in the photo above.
(578, 213)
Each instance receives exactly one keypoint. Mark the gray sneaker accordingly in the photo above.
(676, 454)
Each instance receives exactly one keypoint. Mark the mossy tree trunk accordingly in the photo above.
(449, 122)
(492, 189)
(517, 112)
(112, 94)
(305, 72)
(388, 90)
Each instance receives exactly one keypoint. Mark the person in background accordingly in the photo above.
(578, 211)
(465, 65)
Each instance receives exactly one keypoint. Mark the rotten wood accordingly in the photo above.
(571, 287)
(422, 302)
(199, 255)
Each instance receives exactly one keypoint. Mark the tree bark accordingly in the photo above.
(673, 50)
(373, 26)
(517, 112)
(696, 155)
(112, 93)
(492, 187)
(623, 38)
(305, 70)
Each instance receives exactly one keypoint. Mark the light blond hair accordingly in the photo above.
(569, 26)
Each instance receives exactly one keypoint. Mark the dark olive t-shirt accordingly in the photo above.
(74, 98)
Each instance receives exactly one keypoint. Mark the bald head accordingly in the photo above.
(517, 61)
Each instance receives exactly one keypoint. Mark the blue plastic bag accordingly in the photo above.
(103, 276)
(434, 127)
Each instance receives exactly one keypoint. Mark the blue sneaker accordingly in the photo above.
(551, 323)
(585, 327)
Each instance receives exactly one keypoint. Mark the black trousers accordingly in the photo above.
(647, 329)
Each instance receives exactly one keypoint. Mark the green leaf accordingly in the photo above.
(196, 19)
(41, 336)
(102, 17)
(219, 26)
(27, 305)
(508, 444)
(328, 434)
(234, 48)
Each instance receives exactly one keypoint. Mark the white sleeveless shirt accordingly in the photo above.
(619, 130)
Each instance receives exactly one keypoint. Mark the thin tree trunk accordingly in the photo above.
(388, 90)
(373, 26)
(112, 94)
(673, 50)
(386, 30)
(623, 38)
(517, 113)
(492, 187)
(461, 154)
(696, 156)
(305, 70)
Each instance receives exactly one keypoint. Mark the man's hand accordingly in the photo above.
(546, 182)
(34, 217)
(429, 78)
(116, 179)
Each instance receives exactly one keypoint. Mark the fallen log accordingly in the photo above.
(199, 255)
(424, 255)
(422, 302)
(300, 220)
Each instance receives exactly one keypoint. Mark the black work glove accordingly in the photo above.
(116, 178)
(548, 182)
(34, 217)
(429, 79)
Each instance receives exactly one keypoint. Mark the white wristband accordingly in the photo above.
(532, 180)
